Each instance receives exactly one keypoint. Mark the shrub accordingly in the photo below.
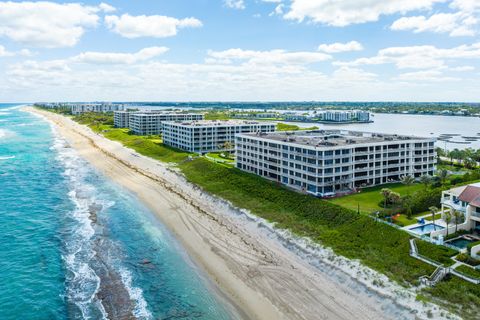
(463, 257)
(471, 245)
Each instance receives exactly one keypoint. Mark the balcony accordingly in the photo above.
(456, 205)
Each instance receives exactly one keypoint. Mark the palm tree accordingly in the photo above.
(447, 217)
(458, 218)
(226, 146)
(433, 211)
(425, 180)
(408, 181)
(386, 195)
(469, 163)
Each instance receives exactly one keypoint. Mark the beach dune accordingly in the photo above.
(260, 277)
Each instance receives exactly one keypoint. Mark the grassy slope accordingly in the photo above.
(355, 236)
(369, 198)
(291, 127)
(377, 245)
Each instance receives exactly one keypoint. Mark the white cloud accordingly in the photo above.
(426, 75)
(5, 53)
(341, 13)
(149, 26)
(235, 4)
(119, 58)
(267, 57)
(46, 24)
(418, 57)
(341, 47)
(462, 68)
(463, 22)
(105, 7)
(272, 1)
(278, 10)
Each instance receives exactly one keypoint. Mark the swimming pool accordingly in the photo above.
(460, 243)
(426, 229)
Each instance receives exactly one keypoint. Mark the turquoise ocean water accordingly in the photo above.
(73, 245)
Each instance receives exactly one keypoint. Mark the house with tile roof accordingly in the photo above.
(465, 199)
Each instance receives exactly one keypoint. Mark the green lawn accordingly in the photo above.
(291, 127)
(150, 146)
(369, 198)
(403, 220)
(469, 271)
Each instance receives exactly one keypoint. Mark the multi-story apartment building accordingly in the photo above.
(150, 123)
(120, 118)
(95, 107)
(327, 162)
(345, 116)
(209, 135)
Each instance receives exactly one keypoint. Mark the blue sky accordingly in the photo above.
(234, 50)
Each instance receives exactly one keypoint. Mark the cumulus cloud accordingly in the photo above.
(347, 12)
(341, 47)
(267, 57)
(149, 26)
(234, 4)
(119, 58)
(417, 57)
(46, 24)
(463, 22)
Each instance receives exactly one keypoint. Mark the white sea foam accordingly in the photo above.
(6, 157)
(136, 294)
(84, 284)
(4, 133)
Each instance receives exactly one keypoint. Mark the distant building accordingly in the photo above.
(150, 123)
(95, 107)
(209, 135)
(345, 116)
(327, 162)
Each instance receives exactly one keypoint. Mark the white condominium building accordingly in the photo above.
(345, 116)
(95, 107)
(325, 162)
(209, 135)
(120, 118)
(150, 123)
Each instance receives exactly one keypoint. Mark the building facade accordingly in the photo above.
(95, 107)
(150, 123)
(345, 116)
(209, 136)
(120, 118)
(465, 199)
(328, 162)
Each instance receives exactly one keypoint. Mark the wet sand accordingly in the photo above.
(261, 277)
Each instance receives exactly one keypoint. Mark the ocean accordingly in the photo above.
(74, 245)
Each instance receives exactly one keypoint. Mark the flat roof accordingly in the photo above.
(218, 123)
(162, 113)
(333, 138)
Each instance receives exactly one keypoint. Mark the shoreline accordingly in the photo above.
(260, 277)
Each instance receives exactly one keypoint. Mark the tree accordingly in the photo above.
(447, 217)
(443, 174)
(408, 181)
(386, 195)
(469, 163)
(226, 146)
(458, 218)
(425, 180)
(433, 211)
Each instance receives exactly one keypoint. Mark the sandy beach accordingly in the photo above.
(261, 277)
